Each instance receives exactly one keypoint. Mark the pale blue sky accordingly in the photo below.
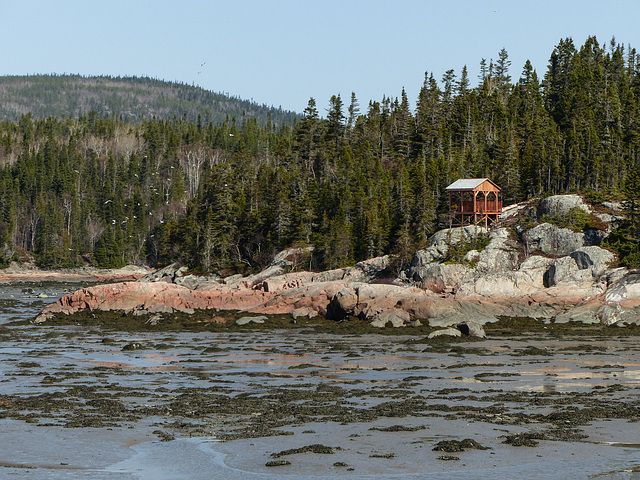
(281, 52)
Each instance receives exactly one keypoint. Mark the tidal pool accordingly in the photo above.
(80, 402)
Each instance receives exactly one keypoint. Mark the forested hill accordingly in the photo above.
(132, 98)
(364, 181)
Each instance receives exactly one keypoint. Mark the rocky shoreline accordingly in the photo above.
(29, 273)
(545, 272)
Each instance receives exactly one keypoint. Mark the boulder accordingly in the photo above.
(167, 274)
(291, 257)
(248, 320)
(626, 289)
(500, 255)
(532, 271)
(342, 304)
(472, 329)
(553, 240)
(583, 266)
(451, 332)
(301, 312)
(565, 271)
(395, 316)
(561, 205)
(368, 270)
(378, 301)
(439, 243)
(439, 277)
(594, 258)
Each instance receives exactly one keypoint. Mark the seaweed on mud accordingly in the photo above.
(303, 366)
(398, 428)
(315, 448)
(452, 446)
(530, 439)
(277, 463)
(531, 350)
(525, 326)
(600, 410)
(199, 321)
(523, 439)
(28, 365)
(382, 455)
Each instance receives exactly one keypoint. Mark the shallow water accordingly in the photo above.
(76, 404)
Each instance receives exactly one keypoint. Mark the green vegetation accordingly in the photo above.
(626, 238)
(132, 99)
(576, 219)
(225, 193)
(458, 251)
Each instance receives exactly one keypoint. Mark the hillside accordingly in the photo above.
(355, 185)
(132, 98)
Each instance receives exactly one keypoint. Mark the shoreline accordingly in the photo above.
(29, 273)
(312, 398)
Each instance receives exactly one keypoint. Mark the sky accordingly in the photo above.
(283, 52)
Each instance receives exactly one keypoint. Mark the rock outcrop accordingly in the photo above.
(30, 273)
(561, 205)
(547, 272)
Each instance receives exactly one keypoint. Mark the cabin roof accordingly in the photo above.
(470, 184)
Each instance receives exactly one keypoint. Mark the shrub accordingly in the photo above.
(576, 219)
(457, 252)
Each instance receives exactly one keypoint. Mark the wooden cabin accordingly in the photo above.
(473, 201)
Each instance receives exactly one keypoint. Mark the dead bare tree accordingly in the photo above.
(94, 230)
(192, 161)
(67, 203)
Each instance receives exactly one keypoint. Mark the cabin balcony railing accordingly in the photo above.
(491, 206)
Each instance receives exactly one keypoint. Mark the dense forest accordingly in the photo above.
(357, 182)
(129, 98)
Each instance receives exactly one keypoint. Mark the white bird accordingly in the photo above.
(108, 201)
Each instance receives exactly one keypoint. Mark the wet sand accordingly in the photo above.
(87, 401)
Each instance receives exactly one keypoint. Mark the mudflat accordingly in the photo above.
(106, 396)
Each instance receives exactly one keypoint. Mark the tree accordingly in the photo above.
(354, 111)
(631, 204)
(502, 75)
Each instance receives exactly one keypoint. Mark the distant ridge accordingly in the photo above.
(132, 98)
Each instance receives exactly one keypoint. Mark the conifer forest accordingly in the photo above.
(354, 179)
